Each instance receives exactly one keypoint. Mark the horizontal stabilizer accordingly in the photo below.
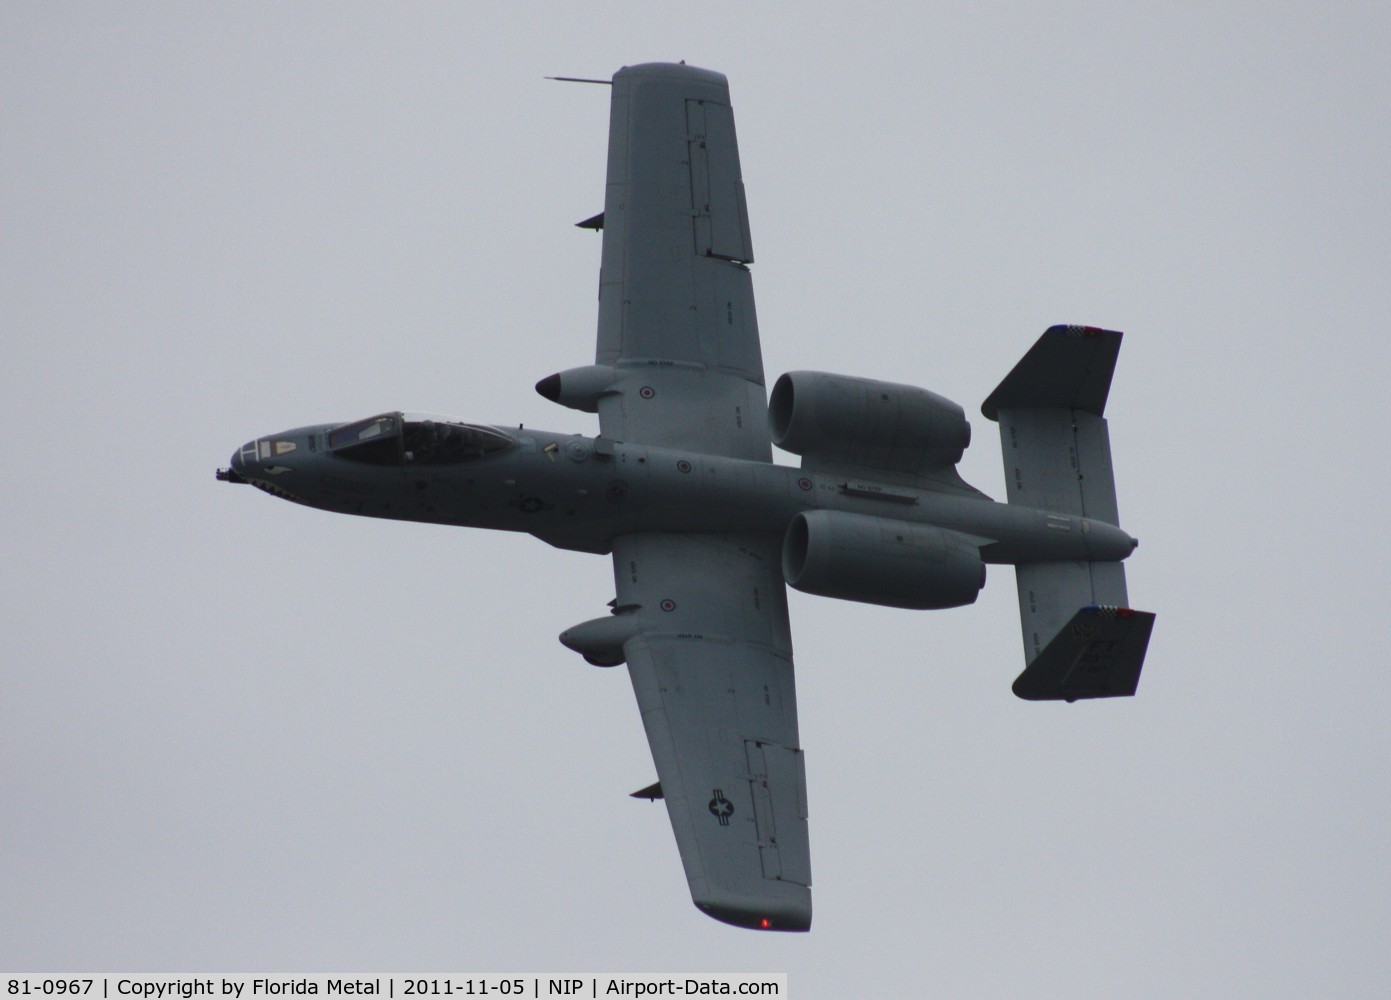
(651, 793)
(594, 222)
(1098, 654)
(1068, 368)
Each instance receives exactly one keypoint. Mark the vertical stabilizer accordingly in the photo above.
(1056, 448)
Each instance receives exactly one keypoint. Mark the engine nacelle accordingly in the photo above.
(876, 560)
(840, 420)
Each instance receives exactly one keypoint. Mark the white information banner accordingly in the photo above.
(148, 986)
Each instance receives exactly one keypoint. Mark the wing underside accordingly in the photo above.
(709, 651)
(676, 309)
(711, 667)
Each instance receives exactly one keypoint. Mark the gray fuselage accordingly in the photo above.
(577, 492)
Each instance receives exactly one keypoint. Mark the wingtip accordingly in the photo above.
(761, 915)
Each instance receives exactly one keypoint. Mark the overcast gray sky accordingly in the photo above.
(241, 735)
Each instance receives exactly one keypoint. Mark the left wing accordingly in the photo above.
(676, 311)
(711, 665)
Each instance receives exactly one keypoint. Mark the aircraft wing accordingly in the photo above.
(711, 665)
(676, 311)
(711, 655)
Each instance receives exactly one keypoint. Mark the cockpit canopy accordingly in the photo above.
(411, 439)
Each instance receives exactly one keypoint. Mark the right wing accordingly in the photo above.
(711, 665)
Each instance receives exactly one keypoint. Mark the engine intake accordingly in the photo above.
(840, 420)
(876, 560)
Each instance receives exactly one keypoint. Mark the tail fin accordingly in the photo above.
(1057, 453)
(1058, 457)
(1098, 654)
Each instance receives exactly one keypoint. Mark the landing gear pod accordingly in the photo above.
(600, 640)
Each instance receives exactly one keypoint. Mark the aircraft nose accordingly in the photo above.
(242, 459)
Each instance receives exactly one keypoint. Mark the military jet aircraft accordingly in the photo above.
(679, 487)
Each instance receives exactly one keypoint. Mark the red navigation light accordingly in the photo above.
(765, 923)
